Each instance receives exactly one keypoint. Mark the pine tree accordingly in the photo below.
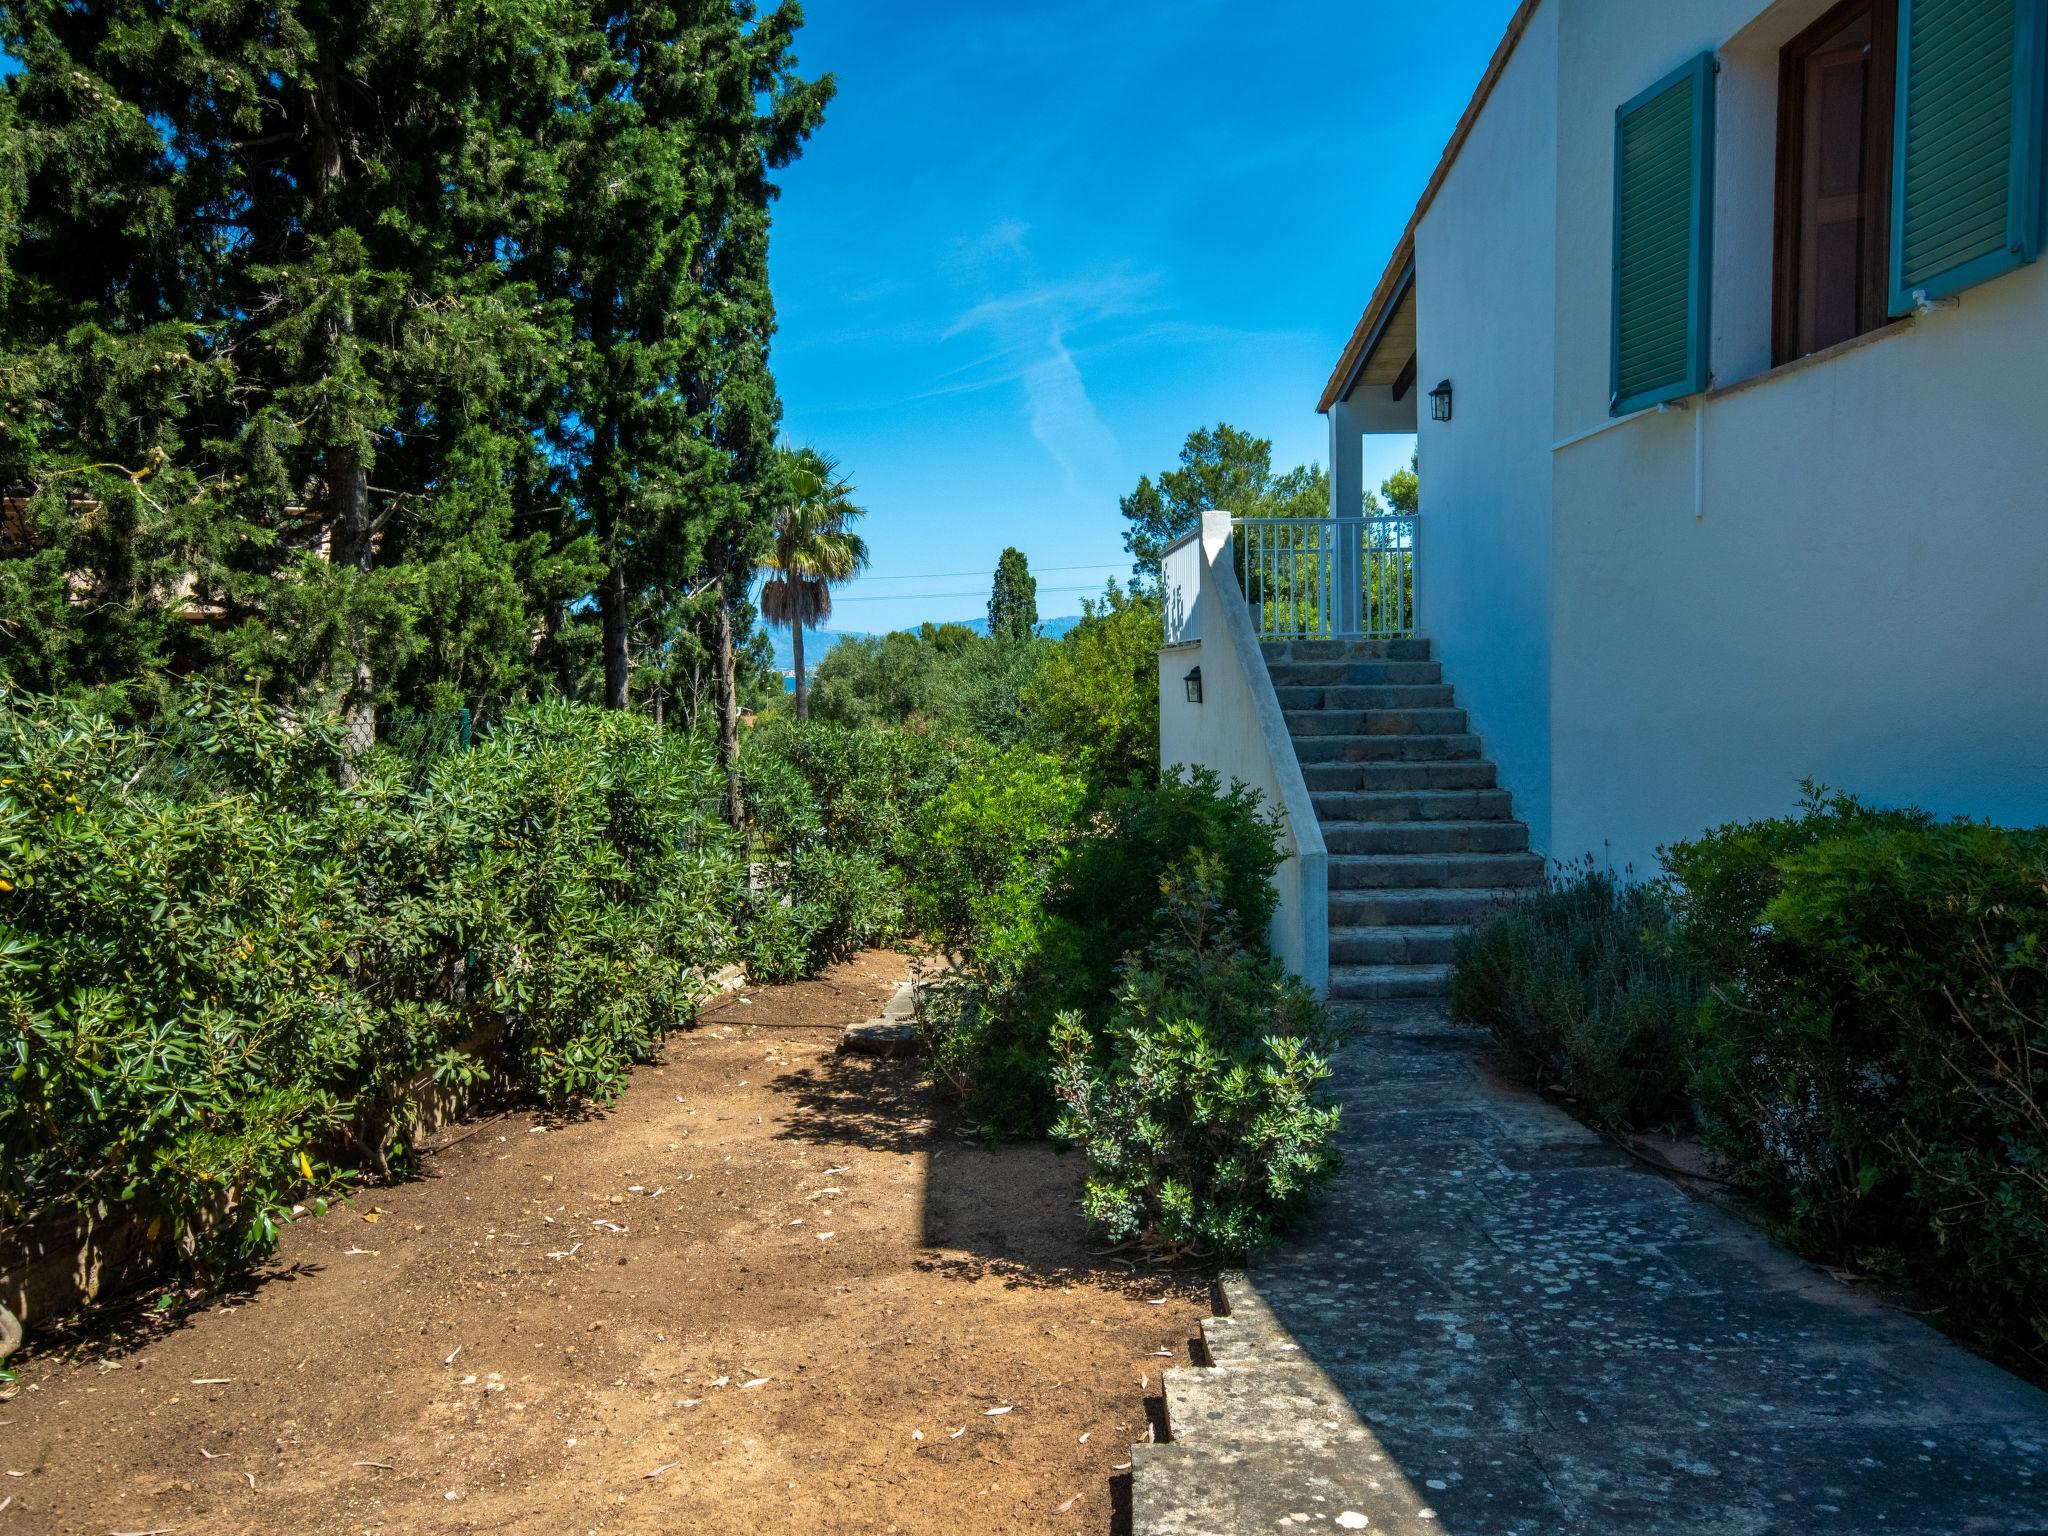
(281, 382)
(659, 253)
(1013, 601)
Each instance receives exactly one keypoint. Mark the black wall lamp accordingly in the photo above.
(1440, 402)
(1194, 685)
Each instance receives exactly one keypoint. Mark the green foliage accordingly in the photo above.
(1095, 694)
(1197, 1103)
(1044, 906)
(1222, 468)
(1851, 1003)
(1871, 1055)
(1013, 601)
(1585, 982)
(356, 349)
(938, 677)
(990, 847)
(814, 548)
(831, 810)
(219, 969)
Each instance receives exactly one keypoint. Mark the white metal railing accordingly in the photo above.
(1328, 577)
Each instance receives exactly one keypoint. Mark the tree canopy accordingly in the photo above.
(376, 354)
(1219, 467)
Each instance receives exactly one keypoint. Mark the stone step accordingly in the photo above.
(1413, 805)
(1394, 944)
(1354, 674)
(1321, 1482)
(1228, 1404)
(1303, 723)
(1409, 871)
(1424, 837)
(1423, 906)
(1382, 749)
(1379, 696)
(1373, 778)
(1345, 650)
(1367, 983)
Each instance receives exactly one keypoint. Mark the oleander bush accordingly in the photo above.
(220, 969)
(1196, 1097)
(1062, 894)
(1584, 981)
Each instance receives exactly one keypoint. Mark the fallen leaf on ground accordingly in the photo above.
(666, 1466)
(758, 1381)
(1068, 1505)
(957, 1433)
(450, 1358)
(209, 1455)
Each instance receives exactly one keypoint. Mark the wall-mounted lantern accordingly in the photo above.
(1194, 685)
(1440, 402)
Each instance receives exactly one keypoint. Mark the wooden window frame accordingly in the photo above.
(1880, 107)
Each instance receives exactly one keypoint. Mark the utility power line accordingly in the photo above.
(1112, 565)
(919, 597)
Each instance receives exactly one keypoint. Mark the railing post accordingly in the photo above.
(1347, 510)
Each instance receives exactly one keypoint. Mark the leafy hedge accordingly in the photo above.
(1868, 1057)
(219, 968)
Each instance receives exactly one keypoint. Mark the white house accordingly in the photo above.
(1720, 328)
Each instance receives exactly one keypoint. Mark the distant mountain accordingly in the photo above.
(816, 643)
(1052, 629)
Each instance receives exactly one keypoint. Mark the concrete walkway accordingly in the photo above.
(1501, 1324)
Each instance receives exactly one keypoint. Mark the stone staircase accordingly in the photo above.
(1422, 840)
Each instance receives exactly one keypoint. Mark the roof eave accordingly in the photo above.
(1352, 359)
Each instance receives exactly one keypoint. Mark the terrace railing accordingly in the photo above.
(1328, 577)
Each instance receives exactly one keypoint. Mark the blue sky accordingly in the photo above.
(1037, 242)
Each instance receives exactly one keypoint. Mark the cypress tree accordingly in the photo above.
(1013, 601)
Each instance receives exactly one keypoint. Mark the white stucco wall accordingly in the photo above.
(1837, 570)
(1238, 732)
(1485, 280)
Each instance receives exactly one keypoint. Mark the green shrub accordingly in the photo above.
(217, 966)
(834, 808)
(1871, 1056)
(1584, 981)
(1046, 900)
(1112, 880)
(849, 901)
(1197, 1102)
(990, 846)
(1095, 693)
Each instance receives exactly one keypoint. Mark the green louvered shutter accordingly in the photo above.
(1966, 183)
(1663, 218)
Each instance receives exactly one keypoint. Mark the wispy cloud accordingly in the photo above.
(1028, 321)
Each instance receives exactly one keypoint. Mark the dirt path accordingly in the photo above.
(735, 1301)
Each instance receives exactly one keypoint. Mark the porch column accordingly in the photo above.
(1347, 508)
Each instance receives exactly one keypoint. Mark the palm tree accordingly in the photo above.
(814, 549)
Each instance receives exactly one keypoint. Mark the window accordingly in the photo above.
(1835, 90)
